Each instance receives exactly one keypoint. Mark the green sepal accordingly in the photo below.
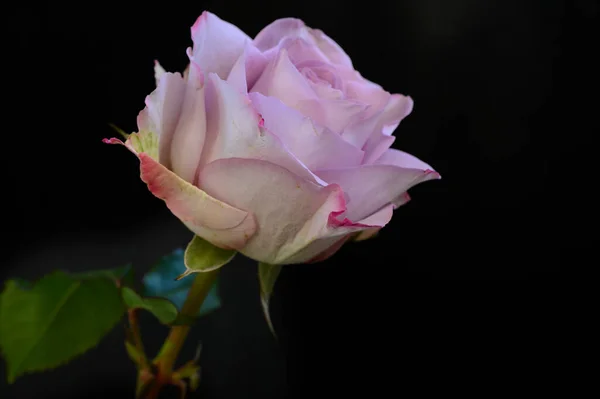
(267, 275)
(144, 141)
(119, 130)
(202, 256)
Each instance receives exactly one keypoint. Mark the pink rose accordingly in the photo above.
(275, 147)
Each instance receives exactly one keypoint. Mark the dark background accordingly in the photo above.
(460, 289)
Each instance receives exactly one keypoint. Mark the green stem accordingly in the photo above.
(136, 334)
(165, 360)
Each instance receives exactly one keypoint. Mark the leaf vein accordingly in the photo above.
(52, 318)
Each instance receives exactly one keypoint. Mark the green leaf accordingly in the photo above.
(56, 319)
(161, 281)
(22, 283)
(164, 310)
(267, 276)
(121, 276)
(202, 256)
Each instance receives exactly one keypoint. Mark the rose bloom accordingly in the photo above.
(275, 147)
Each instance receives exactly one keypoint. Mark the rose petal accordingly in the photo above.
(326, 92)
(402, 159)
(162, 111)
(218, 44)
(282, 79)
(359, 132)
(371, 187)
(175, 112)
(323, 79)
(188, 140)
(391, 110)
(209, 218)
(271, 35)
(283, 28)
(315, 146)
(330, 48)
(378, 219)
(234, 131)
(368, 93)
(291, 212)
(247, 68)
(195, 75)
(186, 72)
(338, 243)
(366, 234)
(376, 145)
(375, 221)
(334, 114)
(349, 74)
(398, 108)
(333, 239)
(158, 71)
(256, 62)
(237, 76)
(301, 50)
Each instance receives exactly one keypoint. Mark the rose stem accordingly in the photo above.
(135, 334)
(167, 355)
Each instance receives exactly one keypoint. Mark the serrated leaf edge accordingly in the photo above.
(13, 375)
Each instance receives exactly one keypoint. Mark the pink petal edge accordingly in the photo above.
(218, 222)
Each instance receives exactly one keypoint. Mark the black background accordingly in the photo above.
(460, 289)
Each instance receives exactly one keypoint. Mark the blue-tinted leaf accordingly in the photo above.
(161, 281)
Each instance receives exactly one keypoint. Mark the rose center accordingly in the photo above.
(321, 74)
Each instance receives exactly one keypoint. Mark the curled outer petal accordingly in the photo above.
(175, 111)
(218, 45)
(297, 219)
(274, 33)
(371, 187)
(217, 222)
